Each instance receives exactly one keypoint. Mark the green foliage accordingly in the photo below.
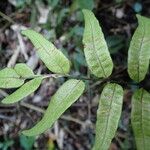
(108, 115)
(100, 63)
(23, 91)
(15, 77)
(6, 144)
(115, 43)
(49, 54)
(23, 70)
(140, 118)
(139, 53)
(10, 79)
(82, 4)
(27, 142)
(95, 47)
(66, 95)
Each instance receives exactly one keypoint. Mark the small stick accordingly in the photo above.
(68, 118)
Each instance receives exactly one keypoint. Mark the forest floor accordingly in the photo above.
(62, 23)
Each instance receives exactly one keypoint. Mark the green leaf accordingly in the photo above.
(54, 59)
(23, 91)
(140, 119)
(10, 79)
(27, 142)
(139, 51)
(66, 95)
(108, 115)
(95, 47)
(85, 4)
(23, 70)
(115, 43)
(81, 4)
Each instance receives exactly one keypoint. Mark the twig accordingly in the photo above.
(7, 118)
(6, 17)
(68, 118)
(30, 106)
(78, 77)
(13, 59)
(51, 76)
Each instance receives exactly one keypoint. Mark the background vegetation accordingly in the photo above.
(61, 21)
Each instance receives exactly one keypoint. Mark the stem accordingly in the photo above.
(64, 117)
(51, 76)
(78, 77)
(6, 17)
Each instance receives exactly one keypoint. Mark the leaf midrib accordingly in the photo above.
(96, 54)
(70, 92)
(108, 118)
(56, 112)
(140, 49)
(60, 67)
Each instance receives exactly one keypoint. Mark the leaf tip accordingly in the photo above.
(86, 12)
(26, 31)
(23, 32)
(138, 16)
(5, 101)
(26, 133)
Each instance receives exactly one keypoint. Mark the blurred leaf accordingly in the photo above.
(27, 142)
(53, 3)
(108, 115)
(6, 144)
(66, 95)
(80, 59)
(86, 4)
(79, 16)
(140, 119)
(62, 14)
(54, 59)
(115, 43)
(33, 16)
(77, 30)
(10, 79)
(82, 4)
(139, 53)
(137, 7)
(95, 47)
(118, 1)
(78, 56)
(23, 91)
(50, 145)
(19, 3)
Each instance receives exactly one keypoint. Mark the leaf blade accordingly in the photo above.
(67, 94)
(108, 115)
(140, 118)
(139, 54)
(23, 70)
(9, 78)
(23, 91)
(95, 47)
(54, 59)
